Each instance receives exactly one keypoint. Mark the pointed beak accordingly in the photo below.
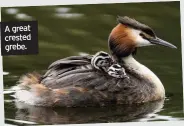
(158, 41)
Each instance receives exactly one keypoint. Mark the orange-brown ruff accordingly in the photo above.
(121, 36)
(72, 81)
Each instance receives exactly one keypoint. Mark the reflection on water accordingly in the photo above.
(81, 115)
(84, 29)
(20, 113)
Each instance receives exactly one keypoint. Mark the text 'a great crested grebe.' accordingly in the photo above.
(19, 38)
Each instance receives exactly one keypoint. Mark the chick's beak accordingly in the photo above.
(159, 41)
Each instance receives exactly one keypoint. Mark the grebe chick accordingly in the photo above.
(117, 71)
(101, 61)
(104, 62)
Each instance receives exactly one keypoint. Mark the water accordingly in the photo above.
(84, 29)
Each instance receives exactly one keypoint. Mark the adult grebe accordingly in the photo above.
(73, 81)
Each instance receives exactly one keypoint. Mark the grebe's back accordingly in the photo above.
(83, 76)
(86, 86)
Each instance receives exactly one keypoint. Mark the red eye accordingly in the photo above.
(149, 32)
(143, 35)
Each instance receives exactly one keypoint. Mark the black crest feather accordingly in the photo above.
(135, 24)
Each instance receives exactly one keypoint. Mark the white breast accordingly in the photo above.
(145, 73)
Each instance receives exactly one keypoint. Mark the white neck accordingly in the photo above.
(146, 73)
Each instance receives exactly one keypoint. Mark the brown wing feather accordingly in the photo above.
(96, 83)
(72, 60)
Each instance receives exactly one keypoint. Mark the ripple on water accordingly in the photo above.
(6, 73)
(63, 9)
(69, 15)
(23, 16)
(157, 117)
(20, 121)
(11, 11)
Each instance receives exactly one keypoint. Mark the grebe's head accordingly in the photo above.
(130, 34)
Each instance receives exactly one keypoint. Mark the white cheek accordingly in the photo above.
(142, 42)
(139, 40)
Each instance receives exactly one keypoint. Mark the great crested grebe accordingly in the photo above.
(78, 81)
